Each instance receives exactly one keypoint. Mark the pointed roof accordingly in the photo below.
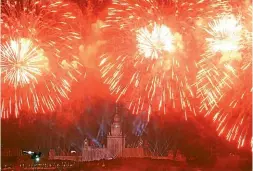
(116, 116)
(116, 108)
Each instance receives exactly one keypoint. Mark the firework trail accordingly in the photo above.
(148, 57)
(224, 79)
(223, 45)
(197, 11)
(38, 59)
(233, 116)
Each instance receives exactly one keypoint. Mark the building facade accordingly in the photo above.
(116, 147)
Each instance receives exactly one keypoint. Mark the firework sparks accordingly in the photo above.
(199, 10)
(226, 36)
(147, 64)
(37, 55)
(219, 62)
(21, 62)
(233, 117)
(152, 45)
(224, 79)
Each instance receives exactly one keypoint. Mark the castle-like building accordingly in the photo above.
(116, 147)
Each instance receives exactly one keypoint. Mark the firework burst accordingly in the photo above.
(224, 78)
(233, 115)
(146, 57)
(38, 59)
(22, 62)
(197, 11)
(217, 66)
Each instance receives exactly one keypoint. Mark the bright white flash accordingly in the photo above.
(226, 34)
(21, 62)
(153, 44)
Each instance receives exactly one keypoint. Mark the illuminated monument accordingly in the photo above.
(115, 139)
(115, 147)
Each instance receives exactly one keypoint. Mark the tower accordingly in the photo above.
(115, 140)
(85, 153)
(85, 144)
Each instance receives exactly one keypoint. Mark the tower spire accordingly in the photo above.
(116, 109)
(116, 116)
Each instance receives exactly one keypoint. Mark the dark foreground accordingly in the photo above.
(135, 165)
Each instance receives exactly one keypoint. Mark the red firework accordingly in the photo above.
(38, 54)
(148, 59)
(224, 79)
